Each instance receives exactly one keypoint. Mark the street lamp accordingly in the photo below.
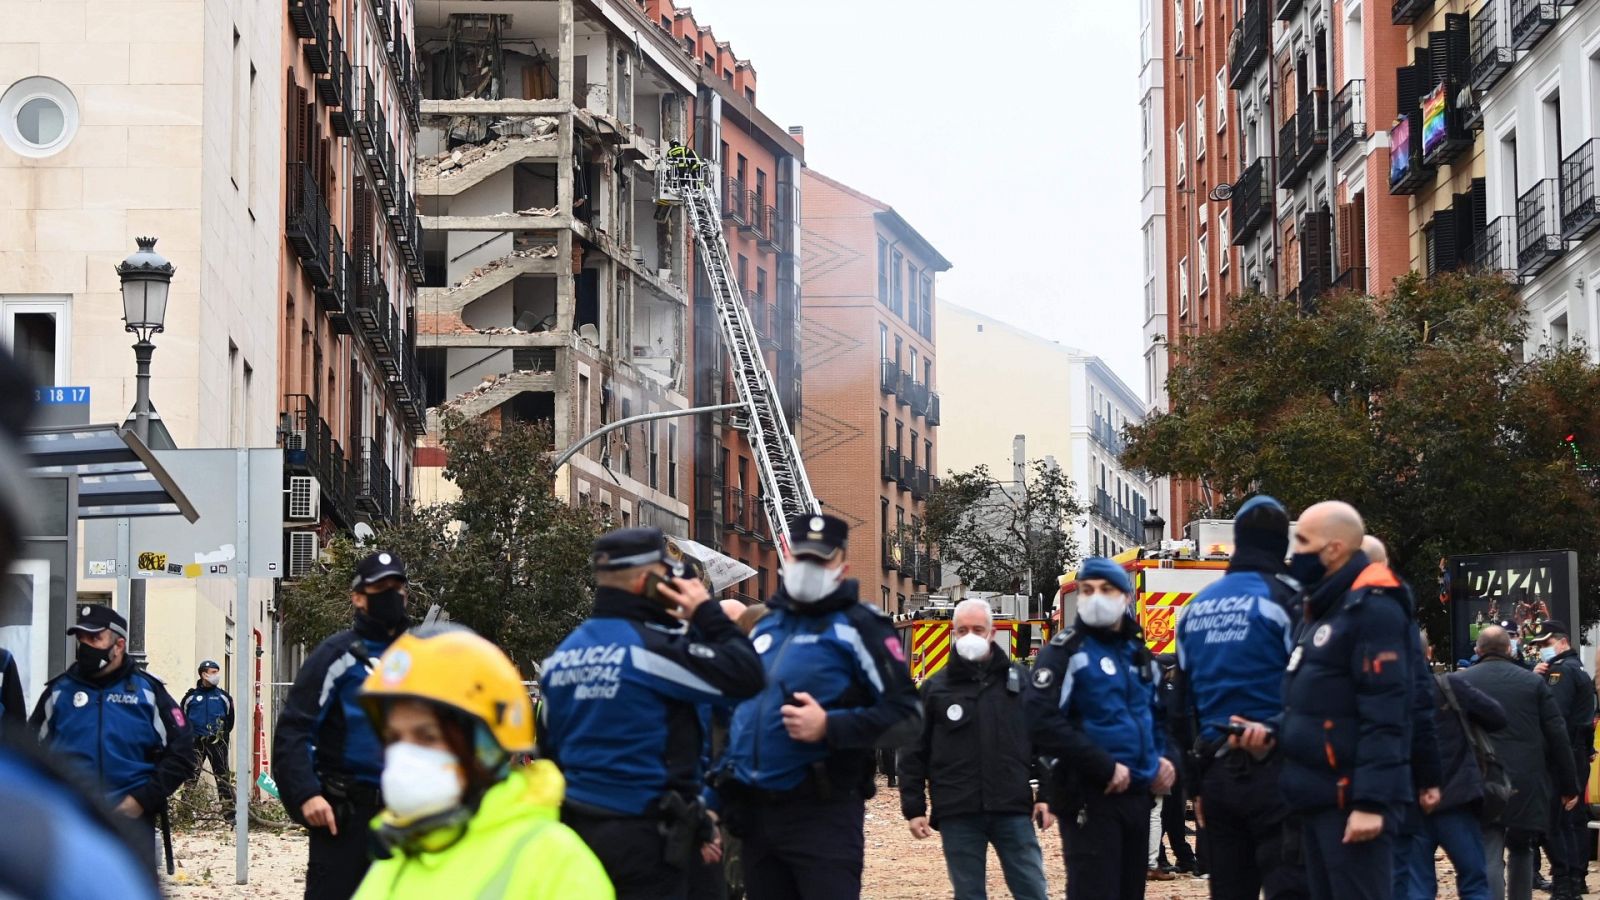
(146, 278)
(1155, 528)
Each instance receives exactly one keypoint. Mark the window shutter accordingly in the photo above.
(1438, 56)
(291, 147)
(1407, 94)
(1479, 199)
(1458, 47)
(1360, 230)
(1442, 252)
(1345, 222)
(303, 129)
(359, 224)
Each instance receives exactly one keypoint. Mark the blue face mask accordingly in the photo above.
(1547, 654)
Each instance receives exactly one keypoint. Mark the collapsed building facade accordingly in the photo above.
(554, 284)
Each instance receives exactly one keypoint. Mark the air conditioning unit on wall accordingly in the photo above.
(304, 551)
(304, 500)
(295, 440)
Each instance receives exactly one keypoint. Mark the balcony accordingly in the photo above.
(374, 488)
(1494, 249)
(1539, 241)
(1285, 9)
(891, 554)
(889, 376)
(903, 385)
(310, 449)
(370, 128)
(306, 223)
(767, 236)
(374, 312)
(736, 511)
(1407, 172)
(1288, 141)
(1531, 20)
(1349, 117)
(1444, 136)
(334, 297)
(733, 201)
(1491, 56)
(304, 15)
(907, 473)
(1580, 207)
(318, 49)
(1101, 429)
(1408, 12)
(1353, 279)
(932, 414)
(385, 19)
(1247, 48)
(1252, 201)
(891, 465)
(333, 85)
(908, 558)
(1313, 119)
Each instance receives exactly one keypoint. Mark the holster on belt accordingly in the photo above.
(681, 827)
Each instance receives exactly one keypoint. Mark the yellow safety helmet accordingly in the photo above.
(456, 668)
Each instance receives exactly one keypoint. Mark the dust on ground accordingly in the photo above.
(898, 867)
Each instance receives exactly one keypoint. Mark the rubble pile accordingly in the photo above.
(512, 129)
(538, 251)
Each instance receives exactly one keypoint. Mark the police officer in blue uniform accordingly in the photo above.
(328, 760)
(801, 757)
(620, 712)
(1345, 730)
(115, 722)
(209, 709)
(1091, 707)
(1234, 641)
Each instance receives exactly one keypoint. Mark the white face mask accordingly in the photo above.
(972, 647)
(807, 581)
(420, 781)
(213, 678)
(1102, 610)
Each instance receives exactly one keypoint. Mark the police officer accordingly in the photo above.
(1568, 844)
(1345, 733)
(329, 762)
(13, 706)
(620, 711)
(800, 761)
(1091, 707)
(210, 712)
(114, 721)
(1234, 640)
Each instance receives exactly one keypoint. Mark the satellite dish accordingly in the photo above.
(364, 533)
(526, 321)
(1222, 192)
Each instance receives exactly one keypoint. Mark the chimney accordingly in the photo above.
(798, 132)
(1019, 459)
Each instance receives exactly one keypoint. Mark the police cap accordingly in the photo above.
(208, 664)
(1551, 628)
(821, 536)
(94, 618)
(629, 548)
(375, 567)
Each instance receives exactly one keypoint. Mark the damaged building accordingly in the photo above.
(554, 284)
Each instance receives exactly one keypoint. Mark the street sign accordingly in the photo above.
(51, 396)
(58, 406)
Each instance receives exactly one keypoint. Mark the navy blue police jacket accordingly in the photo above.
(1345, 733)
(323, 733)
(1234, 641)
(1091, 704)
(848, 657)
(622, 694)
(13, 706)
(210, 711)
(122, 730)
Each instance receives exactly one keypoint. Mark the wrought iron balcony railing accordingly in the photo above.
(1539, 241)
(1349, 117)
(1247, 48)
(1492, 57)
(1580, 202)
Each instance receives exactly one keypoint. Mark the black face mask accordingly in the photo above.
(93, 660)
(1307, 568)
(388, 609)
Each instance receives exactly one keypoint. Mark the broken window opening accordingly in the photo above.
(531, 408)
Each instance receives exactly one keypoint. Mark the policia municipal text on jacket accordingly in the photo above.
(327, 759)
(114, 722)
(620, 716)
(1091, 707)
(801, 755)
(459, 819)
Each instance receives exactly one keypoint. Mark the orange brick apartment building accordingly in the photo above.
(868, 426)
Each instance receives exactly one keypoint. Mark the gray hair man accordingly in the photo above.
(975, 758)
(1533, 748)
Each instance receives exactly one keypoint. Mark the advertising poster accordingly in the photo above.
(1399, 150)
(1519, 590)
(1433, 127)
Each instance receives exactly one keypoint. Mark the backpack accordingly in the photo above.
(1497, 789)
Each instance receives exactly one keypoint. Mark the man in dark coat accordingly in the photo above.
(1455, 823)
(1534, 749)
(976, 761)
(1561, 668)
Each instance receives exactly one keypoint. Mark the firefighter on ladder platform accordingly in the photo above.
(682, 159)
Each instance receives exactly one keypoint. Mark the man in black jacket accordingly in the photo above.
(1534, 749)
(1561, 668)
(975, 758)
(1456, 821)
(328, 761)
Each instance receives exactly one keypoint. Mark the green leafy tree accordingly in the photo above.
(1418, 407)
(507, 558)
(997, 533)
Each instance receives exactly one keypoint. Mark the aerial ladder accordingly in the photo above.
(786, 491)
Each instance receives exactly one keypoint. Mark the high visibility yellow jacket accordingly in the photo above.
(515, 847)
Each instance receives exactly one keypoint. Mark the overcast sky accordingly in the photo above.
(1005, 131)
